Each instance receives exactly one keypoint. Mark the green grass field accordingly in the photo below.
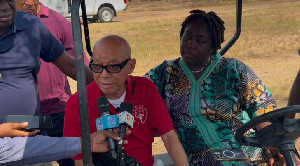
(268, 43)
(159, 5)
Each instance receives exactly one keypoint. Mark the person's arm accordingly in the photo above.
(175, 148)
(67, 65)
(294, 98)
(32, 150)
(68, 42)
(53, 51)
(99, 144)
(256, 98)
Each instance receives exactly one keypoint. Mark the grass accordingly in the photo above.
(268, 44)
(137, 6)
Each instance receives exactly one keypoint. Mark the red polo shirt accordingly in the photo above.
(150, 113)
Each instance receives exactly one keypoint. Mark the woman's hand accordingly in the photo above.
(274, 155)
(13, 130)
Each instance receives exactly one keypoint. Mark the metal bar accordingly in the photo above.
(81, 85)
(238, 27)
(289, 157)
(86, 29)
(69, 6)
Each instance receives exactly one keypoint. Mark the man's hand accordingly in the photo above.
(99, 143)
(13, 130)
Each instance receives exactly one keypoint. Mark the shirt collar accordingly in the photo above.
(19, 24)
(44, 11)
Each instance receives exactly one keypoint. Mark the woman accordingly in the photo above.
(209, 96)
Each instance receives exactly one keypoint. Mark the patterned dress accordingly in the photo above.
(207, 112)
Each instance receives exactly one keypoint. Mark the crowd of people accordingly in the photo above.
(194, 103)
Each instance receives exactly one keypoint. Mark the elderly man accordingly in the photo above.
(112, 65)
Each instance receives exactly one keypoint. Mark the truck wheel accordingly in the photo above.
(105, 14)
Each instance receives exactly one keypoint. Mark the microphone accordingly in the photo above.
(107, 122)
(125, 119)
(103, 106)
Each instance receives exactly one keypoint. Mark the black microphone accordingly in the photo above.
(125, 119)
(103, 106)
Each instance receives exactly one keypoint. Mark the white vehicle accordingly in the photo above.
(96, 10)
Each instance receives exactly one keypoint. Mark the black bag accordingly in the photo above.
(105, 159)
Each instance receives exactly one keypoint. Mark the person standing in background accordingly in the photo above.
(24, 39)
(53, 85)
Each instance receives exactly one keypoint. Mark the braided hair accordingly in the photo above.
(214, 24)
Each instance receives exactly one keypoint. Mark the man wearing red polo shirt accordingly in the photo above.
(112, 66)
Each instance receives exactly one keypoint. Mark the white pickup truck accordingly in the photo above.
(96, 10)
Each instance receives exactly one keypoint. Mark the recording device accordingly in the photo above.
(103, 106)
(35, 122)
(125, 119)
(229, 155)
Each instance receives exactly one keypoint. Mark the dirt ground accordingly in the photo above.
(131, 16)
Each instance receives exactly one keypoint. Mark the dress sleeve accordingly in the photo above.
(256, 97)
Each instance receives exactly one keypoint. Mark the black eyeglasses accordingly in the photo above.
(109, 68)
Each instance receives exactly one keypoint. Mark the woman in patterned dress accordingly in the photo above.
(209, 96)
